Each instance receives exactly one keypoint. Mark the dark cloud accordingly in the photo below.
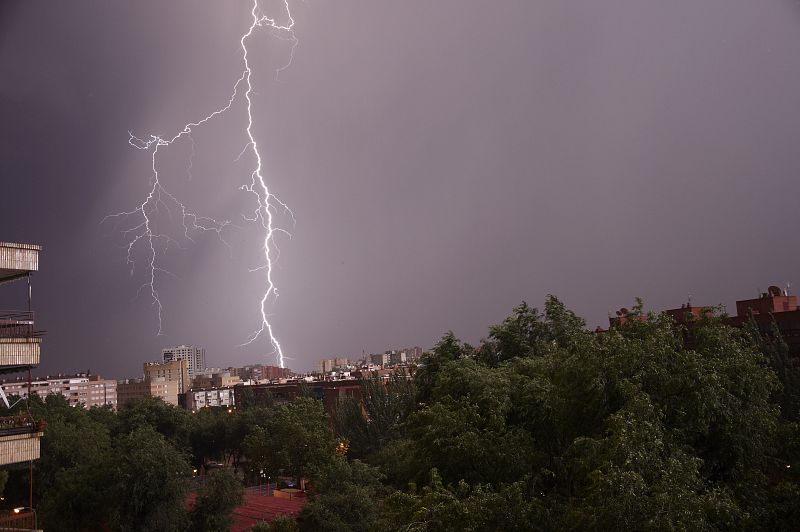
(444, 160)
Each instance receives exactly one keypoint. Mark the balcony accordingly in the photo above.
(19, 439)
(19, 342)
(24, 520)
(17, 260)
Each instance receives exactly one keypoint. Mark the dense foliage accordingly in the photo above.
(543, 426)
(546, 426)
(133, 469)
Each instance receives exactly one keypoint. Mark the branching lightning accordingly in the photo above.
(144, 233)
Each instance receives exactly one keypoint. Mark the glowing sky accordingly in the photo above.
(444, 160)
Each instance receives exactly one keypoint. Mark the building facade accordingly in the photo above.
(137, 389)
(221, 379)
(174, 370)
(79, 390)
(211, 397)
(329, 392)
(19, 351)
(195, 358)
(258, 372)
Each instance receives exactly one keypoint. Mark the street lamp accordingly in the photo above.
(19, 509)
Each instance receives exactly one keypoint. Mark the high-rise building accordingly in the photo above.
(195, 358)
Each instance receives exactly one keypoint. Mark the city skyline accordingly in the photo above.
(440, 171)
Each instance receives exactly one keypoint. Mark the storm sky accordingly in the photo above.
(444, 161)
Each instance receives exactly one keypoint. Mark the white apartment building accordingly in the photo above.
(197, 399)
(83, 390)
(195, 358)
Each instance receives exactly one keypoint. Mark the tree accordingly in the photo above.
(282, 523)
(166, 419)
(448, 349)
(368, 423)
(210, 435)
(295, 440)
(213, 509)
(65, 443)
(147, 483)
(346, 498)
(646, 426)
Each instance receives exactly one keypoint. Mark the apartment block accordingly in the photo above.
(195, 358)
(212, 397)
(82, 389)
(221, 379)
(137, 389)
(174, 370)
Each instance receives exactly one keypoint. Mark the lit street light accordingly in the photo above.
(19, 509)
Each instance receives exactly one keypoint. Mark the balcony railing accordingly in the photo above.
(22, 424)
(24, 520)
(17, 324)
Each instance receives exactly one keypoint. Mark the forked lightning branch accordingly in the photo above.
(143, 238)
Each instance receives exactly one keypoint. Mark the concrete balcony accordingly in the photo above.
(18, 260)
(19, 342)
(19, 439)
(17, 354)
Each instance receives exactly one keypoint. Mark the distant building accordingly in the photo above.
(211, 397)
(394, 357)
(82, 389)
(413, 354)
(222, 379)
(195, 358)
(329, 392)
(775, 306)
(397, 357)
(379, 359)
(137, 389)
(332, 364)
(174, 370)
(259, 372)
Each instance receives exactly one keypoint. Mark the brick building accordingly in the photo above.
(329, 392)
(775, 306)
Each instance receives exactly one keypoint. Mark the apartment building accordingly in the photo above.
(20, 345)
(81, 389)
(195, 358)
(174, 370)
(137, 389)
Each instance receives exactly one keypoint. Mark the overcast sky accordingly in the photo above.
(444, 161)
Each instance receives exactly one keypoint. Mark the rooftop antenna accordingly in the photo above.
(689, 297)
(788, 285)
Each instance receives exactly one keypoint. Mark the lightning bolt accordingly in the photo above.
(143, 231)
